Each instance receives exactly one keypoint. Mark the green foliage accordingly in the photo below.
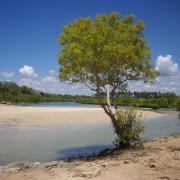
(128, 129)
(177, 104)
(108, 50)
(11, 92)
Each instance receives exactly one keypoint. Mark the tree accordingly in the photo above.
(104, 54)
(26, 90)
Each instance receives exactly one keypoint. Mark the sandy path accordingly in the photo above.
(159, 159)
(27, 115)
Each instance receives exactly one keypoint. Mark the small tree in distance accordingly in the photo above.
(104, 54)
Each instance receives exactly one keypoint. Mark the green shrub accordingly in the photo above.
(177, 104)
(154, 106)
(129, 128)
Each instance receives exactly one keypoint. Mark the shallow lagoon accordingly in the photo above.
(45, 143)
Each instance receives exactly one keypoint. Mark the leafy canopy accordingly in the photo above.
(106, 51)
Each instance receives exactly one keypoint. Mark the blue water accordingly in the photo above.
(161, 126)
(45, 143)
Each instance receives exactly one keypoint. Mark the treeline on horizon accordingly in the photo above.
(12, 93)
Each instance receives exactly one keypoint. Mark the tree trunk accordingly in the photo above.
(110, 111)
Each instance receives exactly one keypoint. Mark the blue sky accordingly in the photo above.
(29, 31)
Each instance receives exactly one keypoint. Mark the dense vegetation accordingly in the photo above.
(153, 100)
(11, 92)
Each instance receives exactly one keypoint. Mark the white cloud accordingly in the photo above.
(6, 74)
(27, 71)
(50, 79)
(51, 84)
(166, 66)
(30, 83)
(168, 81)
(52, 73)
(162, 84)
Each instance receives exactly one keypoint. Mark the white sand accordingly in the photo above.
(28, 115)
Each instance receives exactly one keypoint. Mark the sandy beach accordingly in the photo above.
(28, 115)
